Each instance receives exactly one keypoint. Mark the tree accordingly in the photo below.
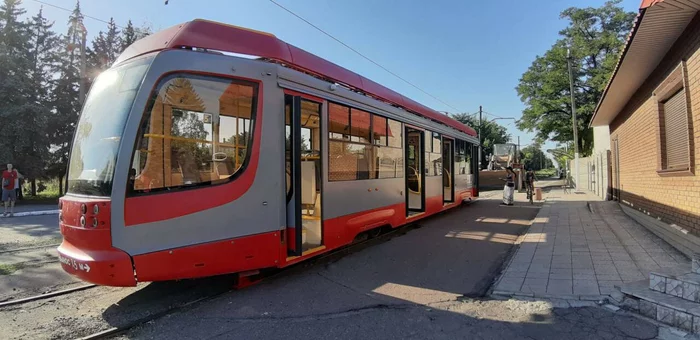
(145, 30)
(491, 134)
(128, 35)
(65, 97)
(106, 47)
(43, 54)
(596, 37)
(18, 110)
(563, 154)
(534, 158)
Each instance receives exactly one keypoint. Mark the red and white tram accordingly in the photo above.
(191, 160)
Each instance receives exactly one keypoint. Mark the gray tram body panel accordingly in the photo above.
(246, 215)
(263, 207)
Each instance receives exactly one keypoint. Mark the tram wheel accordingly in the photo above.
(374, 232)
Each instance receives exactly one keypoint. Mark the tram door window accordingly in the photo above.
(303, 174)
(447, 173)
(415, 181)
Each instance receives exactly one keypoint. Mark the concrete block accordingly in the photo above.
(657, 283)
(696, 324)
(674, 287)
(683, 242)
(683, 321)
(647, 309)
(690, 291)
(665, 315)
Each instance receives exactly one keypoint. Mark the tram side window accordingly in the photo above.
(362, 145)
(388, 147)
(350, 153)
(433, 154)
(463, 158)
(338, 122)
(196, 131)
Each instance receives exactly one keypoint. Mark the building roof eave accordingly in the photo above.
(657, 27)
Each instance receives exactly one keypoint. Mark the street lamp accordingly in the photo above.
(573, 118)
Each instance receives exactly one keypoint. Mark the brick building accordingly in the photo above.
(652, 107)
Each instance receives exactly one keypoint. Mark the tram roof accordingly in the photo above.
(228, 38)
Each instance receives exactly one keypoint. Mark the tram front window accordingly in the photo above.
(94, 153)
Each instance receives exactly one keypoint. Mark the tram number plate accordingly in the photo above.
(73, 263)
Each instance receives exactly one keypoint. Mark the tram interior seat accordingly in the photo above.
(223, 168)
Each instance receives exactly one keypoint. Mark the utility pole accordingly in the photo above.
(520, 169)
(573, 118)
(83, 47)
(479, 162)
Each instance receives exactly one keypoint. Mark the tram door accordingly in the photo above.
(303, 175)
(447, 171)
(415, 181)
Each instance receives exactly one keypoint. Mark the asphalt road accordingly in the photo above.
(26, 231)
(427, 284)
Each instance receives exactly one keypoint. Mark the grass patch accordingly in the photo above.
(7, 269)
(545, 173)
(46, 192)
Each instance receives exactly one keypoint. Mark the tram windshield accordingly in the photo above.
(99, 131)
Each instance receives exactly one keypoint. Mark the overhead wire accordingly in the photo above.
(310, 24)
(70, 10)
(362, 55)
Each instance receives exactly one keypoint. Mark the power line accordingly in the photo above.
(495, 116)
(361, 55)
(70, 10)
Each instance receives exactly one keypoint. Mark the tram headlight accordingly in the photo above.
(83, 209)
(60, 216)
(95, 209)
(82, 221)
(94, 222)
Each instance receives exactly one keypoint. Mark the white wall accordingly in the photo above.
(593, 174)
(601, 139)
(594, 170)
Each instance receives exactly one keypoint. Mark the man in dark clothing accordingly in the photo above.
(530, 182)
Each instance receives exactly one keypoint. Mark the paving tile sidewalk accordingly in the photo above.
(575, 252)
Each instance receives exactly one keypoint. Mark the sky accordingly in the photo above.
(466, 53)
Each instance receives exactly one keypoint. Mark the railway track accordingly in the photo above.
(45, 296)
(327, 258)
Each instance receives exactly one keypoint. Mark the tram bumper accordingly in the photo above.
(111, 267)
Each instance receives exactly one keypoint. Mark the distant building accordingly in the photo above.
(652, 108)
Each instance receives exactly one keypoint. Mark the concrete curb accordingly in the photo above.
(573, 297)
(33, 213)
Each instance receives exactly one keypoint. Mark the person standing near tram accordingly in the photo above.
(18, 185)
(9, 194)
(509, 188)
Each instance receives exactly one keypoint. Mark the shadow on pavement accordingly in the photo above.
(424, 285)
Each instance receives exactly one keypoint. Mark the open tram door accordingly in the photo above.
(448, 188)
(303, 175)
(415, 181)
